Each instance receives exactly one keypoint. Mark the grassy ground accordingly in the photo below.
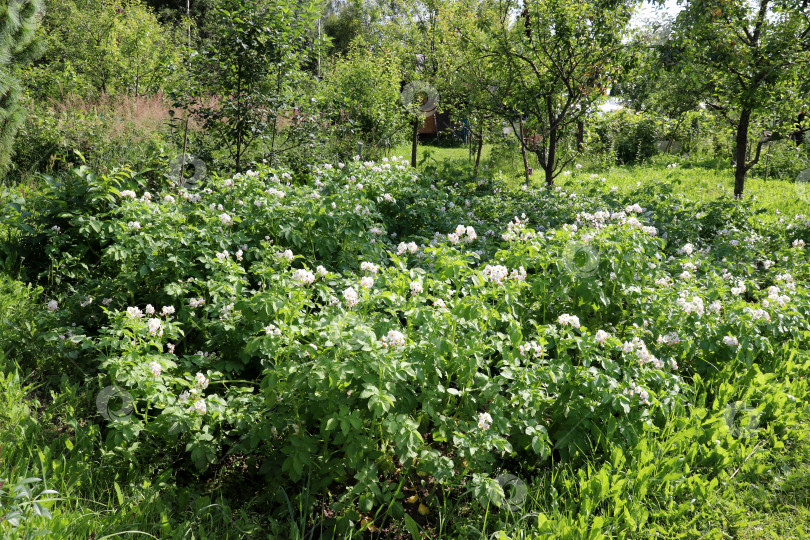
(697, 179)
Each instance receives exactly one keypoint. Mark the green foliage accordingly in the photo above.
(115, 130)
(342, 28)
(630, 137)
(247, 74)
(361, 92)
(553, 62)
(745, 59)
(19, 21)
(441, 363)
(16, 325)
(97, 48)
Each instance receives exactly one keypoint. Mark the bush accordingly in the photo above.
(784, 160)
(110, 130)
(628, 135)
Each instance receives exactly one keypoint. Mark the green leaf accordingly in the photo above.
(412, 527)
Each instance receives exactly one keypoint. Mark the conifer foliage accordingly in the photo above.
(19, 44)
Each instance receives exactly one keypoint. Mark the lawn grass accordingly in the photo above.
(698, 179)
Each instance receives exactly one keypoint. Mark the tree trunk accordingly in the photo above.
(580, 135)
(523, 151)
(740, 153)
(552, 151)
(415, 142)
(478, 152)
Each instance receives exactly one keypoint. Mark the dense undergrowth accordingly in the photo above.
(364, 348)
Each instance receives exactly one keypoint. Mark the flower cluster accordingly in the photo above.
(731, 341)
(690, 306)
(134, 312)
(439, 303)
(518, 274)
(226, 219)
(638, 348)
(286, 255)
(601, 336)
(663, 281)
(531, 347)
(367, 282)
(155, 327)
(484, 421)
(642, 394)
(369, 267)
(516, 230)
(201, 382)
(462, 234)
(416, 287)
(196, 302)
(566, 320)
(686, 249)
(787, 280)
(303, 277)
(775, 297)
(191, 197)
(155, 368)
(669, 339)
(272, 330)
(53, 305)
(350, 296)
(194, 395)
(496, 274)
(393, 338)
(757, 314)
(410, 247)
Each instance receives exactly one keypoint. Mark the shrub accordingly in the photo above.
(630, 136)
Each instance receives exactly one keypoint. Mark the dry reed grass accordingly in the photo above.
(134, 117)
